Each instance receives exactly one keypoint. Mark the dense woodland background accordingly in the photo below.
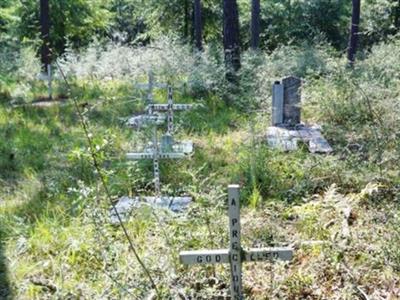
(55, 238)
(76, 24)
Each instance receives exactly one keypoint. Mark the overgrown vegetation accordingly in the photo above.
(340, 212)
(56, 241)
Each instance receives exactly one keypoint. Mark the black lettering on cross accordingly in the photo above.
(235, 246)
(234, 221)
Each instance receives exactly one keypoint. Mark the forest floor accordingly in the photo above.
(339, 212)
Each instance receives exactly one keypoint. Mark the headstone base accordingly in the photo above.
(287, 138)
(140, 121)
(126, 205)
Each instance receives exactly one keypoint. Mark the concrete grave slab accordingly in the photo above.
(126, 205)
(287, 139)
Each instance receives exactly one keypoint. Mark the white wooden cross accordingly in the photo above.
(235, 255)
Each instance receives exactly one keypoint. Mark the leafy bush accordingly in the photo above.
(361, 108)
(201, 74)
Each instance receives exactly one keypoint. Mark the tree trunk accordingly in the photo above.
(186, 18)
(198, 25)
(353, 39)
(255, 24)
(45, 33)
(231, 35)
(397, 16)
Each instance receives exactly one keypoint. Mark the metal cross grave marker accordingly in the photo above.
(125, 204)
(150, 87)
(235, 255)
(155, 155)
(170, 107)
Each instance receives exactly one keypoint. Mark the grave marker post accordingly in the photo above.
(156, 163)
(170, 117)
(235, 254)
(150, 90)
(235, 249)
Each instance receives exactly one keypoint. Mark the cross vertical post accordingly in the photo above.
(170, 117)
(235, 249)
(156, 163)
(150, 91)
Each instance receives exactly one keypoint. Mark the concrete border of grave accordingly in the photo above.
(126, 205)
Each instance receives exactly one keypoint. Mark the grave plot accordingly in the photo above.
(287, 130)
(167, 148)
(235, 255)
(177, 204)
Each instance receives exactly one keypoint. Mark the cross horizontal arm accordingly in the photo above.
(142, 120)
(221, 256)
(145, 86)
(218, 256)
(165, 107)
(261, 254)
(150, 155)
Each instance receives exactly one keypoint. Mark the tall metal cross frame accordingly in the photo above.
(169, 108)
(155, 155)
(235, 255)
(150, 87)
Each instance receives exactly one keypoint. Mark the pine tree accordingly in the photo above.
(45, 33)
(353, 39)
(255, 24)
(198, 25)
(231, 35)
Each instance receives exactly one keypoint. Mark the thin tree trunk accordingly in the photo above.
(45, 33)
(255, 24)
(353, 39)
(186, 26)
(397, 16)
(231, 35)
(198, 25)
